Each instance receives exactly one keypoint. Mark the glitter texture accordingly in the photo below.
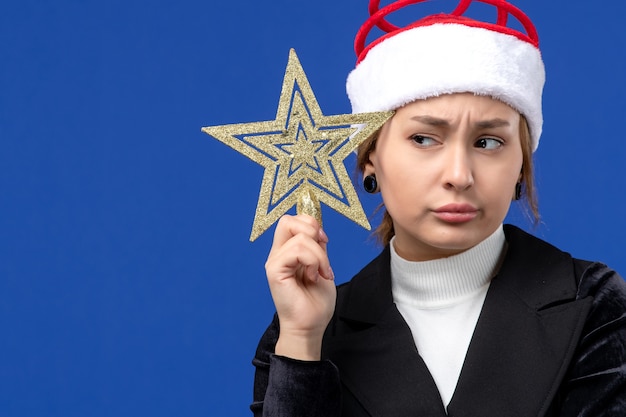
(302, 152)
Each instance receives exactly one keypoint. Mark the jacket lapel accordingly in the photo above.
(523, 342)
(373, 347)
(525, 336)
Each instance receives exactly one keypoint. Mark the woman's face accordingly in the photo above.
(447, 168)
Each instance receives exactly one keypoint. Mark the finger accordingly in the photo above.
(299, 251)
(311, 272)
(289, 226)
(322, 239)
(318, 265)
(324, 270)
(322, 236)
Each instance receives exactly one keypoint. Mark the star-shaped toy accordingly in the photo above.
(302, 152)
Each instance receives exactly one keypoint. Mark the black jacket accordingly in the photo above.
(550, 341)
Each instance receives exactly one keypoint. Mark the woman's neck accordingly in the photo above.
(441, 282)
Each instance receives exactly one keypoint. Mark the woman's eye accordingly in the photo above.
(423, 140)
(488, 143)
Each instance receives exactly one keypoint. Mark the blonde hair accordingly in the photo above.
(384, 232)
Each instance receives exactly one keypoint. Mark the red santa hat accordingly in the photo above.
(449, 53)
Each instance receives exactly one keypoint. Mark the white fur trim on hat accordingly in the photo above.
(445, 58)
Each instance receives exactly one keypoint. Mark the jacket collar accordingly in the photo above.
(522, 344)
(369, 296)
(535, 271)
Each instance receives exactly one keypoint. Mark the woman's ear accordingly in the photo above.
(368, 167)
(367, 154)
(517, 194)
(369, 176)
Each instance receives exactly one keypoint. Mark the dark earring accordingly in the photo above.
(370, 184)
(518, 191)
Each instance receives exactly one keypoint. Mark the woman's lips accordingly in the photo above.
(456, 213)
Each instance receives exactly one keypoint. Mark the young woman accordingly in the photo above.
(459, 315)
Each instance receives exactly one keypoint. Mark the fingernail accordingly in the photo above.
(323, 236)
(331, 274)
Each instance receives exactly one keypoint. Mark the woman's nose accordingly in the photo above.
(458, 169)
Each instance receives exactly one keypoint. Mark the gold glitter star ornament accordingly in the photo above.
(302, 152)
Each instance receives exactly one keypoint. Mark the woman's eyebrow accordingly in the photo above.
(483, 124)
(492, 123)
(430, 120)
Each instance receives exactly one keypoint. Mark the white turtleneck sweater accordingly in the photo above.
(441, 300)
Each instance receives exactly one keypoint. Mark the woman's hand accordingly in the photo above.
(302, 286)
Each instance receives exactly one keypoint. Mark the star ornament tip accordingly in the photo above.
(303, 153)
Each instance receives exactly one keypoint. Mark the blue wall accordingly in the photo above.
(127, 283)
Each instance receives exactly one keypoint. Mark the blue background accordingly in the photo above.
(127, 282)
